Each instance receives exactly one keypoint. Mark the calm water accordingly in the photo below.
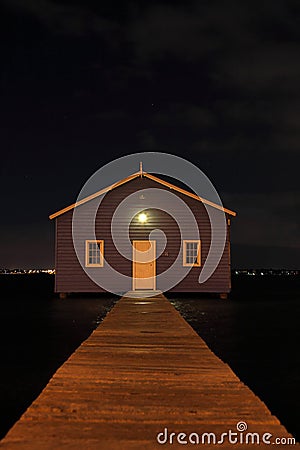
(38, 333)
(256, 332)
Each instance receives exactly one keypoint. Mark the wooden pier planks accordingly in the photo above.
(142, 370)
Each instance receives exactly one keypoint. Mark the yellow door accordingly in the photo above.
(143, 265)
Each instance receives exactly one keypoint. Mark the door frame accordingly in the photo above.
(133, 265)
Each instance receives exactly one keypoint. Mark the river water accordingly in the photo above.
(256, 332)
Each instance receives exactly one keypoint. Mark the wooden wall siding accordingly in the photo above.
(70, 277)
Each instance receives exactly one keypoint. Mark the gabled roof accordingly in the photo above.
(132, 177)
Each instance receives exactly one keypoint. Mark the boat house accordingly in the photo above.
(167, 260)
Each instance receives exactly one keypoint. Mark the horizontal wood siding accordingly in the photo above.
(70, 277)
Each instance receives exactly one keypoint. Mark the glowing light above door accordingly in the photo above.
(142, 218)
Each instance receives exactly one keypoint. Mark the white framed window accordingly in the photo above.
(191, 253)
(94, 253)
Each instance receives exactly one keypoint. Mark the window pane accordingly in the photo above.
(94, 253)
(192, 252)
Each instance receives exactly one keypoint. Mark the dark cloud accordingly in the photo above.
(62, 18)
(147, 142)
(166, 31)
(192, 31)
(180, 114)
(271, 68)
(287, 142)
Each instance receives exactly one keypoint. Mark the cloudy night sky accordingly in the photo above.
(85, 82)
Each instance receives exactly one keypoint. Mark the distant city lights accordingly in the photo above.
(264, 272)
(26, 271)
(247, 272)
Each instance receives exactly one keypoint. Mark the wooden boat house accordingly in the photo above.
(99, 251)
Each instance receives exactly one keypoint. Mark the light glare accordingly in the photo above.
(142, 218)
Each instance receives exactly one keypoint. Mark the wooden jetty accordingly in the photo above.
(142, 375)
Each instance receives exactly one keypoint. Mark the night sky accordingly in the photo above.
(85, 82)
